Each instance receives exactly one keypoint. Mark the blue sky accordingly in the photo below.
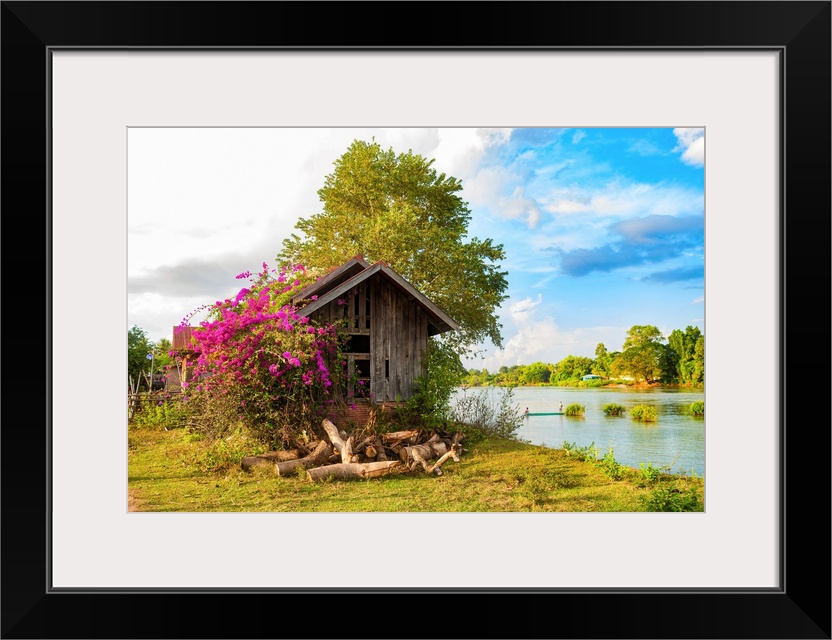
(603, 228)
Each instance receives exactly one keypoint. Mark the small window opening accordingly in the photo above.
(357, 343)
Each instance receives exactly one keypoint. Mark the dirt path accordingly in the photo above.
(133, 503)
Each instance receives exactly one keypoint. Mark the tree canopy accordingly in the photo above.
(396, 208)
(138, 348)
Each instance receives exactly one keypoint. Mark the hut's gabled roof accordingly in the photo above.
(335, 277)
(439, 321)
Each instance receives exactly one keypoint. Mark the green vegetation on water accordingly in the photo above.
(574, 409)
(613, 409)
(644, 413)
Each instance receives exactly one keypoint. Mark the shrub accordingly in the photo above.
(574, 409)
(263, 366)
(487, 413)
(613, 469)
(585, 454)
(613, 409)
(698, 408)
(644, 413)
(650, 473)
(669, 498)
(166, 413)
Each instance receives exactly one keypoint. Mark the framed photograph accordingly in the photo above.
(80, 79)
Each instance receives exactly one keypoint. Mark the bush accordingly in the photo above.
(698, 408)
(263, 366)
(644, 413)
(574, 409)
(650, 473)
(166, 413)
(613, 469)
(490, 415)
(613, 409)
(669, 498)
(585, 454)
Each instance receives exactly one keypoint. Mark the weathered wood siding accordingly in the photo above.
(397, 328)
(353, 309)
(398, 338)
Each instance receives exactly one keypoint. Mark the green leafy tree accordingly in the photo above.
(161, 351)
(690, 364)
(138, 346)
(572, 368)
(698, 374)
(396, 208)
(643, 352)
(536, 373)
(603, 360)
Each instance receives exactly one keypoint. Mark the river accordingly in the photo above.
(676, 438)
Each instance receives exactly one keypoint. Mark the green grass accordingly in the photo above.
(171, 471)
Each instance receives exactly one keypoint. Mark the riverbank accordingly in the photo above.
(171, 471)
(590, 384)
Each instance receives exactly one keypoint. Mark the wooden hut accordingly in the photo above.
(388, 322)
(184, 370)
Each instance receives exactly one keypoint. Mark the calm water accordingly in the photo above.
(675, 437)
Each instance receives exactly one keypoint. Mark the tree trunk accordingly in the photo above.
(317, 457)
(435, 468)
(352, 471)
(269, 458)
(428, 451)
(344, 448)
(400, 436)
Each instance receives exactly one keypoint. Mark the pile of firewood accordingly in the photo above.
(364, 454)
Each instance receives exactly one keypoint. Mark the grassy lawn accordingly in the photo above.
(175, 471)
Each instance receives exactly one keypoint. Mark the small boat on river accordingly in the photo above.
(551, 413)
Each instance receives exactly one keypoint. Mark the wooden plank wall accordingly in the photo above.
(398, 330)
(398, 337)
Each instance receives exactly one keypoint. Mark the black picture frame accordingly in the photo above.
(800, 608)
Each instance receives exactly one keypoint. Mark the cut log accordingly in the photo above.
(317, 457)
(428, 451)
(399, 436)
(370, 451)
(344, 448)
(381, 454)
(435, 468)
(355, 470)
(363, 445)
(268, 458)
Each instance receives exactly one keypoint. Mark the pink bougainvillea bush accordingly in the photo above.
(263, 367)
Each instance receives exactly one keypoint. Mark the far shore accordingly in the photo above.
(610, 385)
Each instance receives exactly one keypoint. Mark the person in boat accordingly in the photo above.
(560, 406)
(526, 412)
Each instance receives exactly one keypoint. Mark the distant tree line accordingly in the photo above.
(139, 347)
(646, 356)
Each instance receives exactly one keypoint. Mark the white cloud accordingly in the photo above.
(698, 300)
(519, 309)
(578, 136)
(544, 341)
(691, 142)
(617, 199)
(500, 190)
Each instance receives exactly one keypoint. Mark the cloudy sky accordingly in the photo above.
(603, 228)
